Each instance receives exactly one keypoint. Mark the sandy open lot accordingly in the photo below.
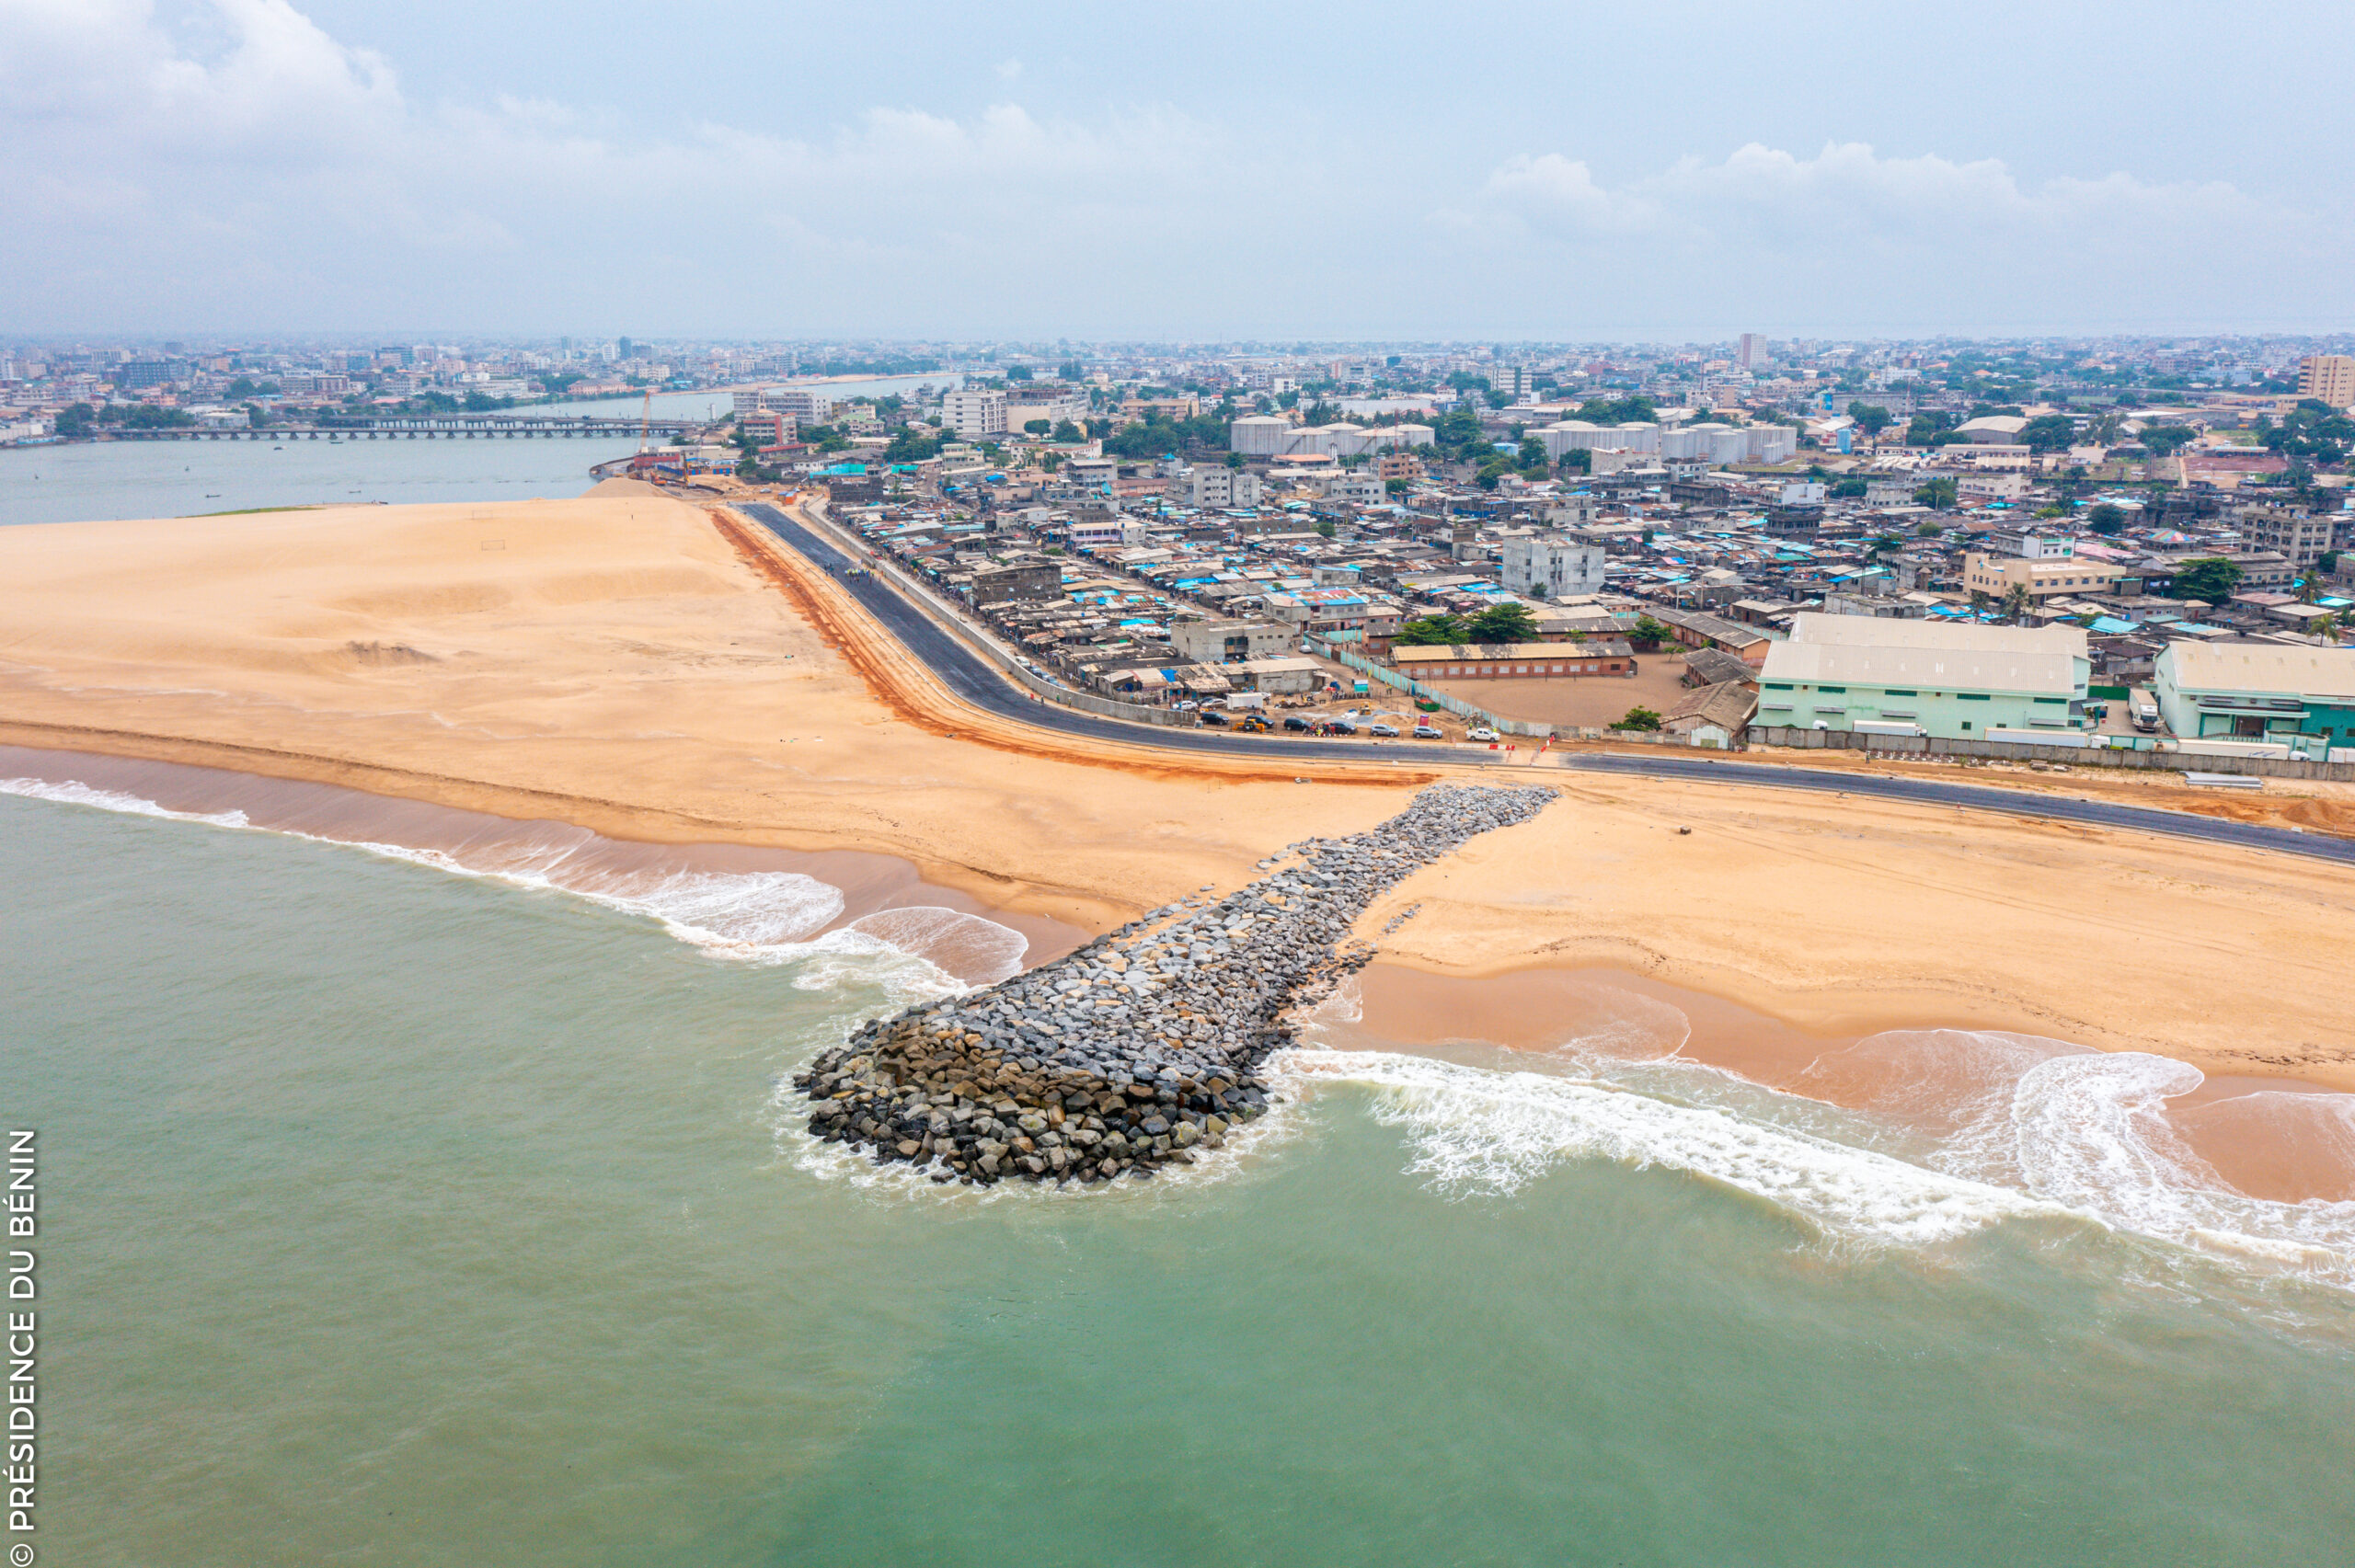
(622, 662)
(1595, 702)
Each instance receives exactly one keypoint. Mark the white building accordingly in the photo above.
(1556, 567)
(1054, 409)
(805, 406)
(1222, 486)
(976, 415)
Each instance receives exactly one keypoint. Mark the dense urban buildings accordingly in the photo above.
(2045, 519)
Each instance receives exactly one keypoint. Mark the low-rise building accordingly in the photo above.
(1526, 661)
(1223, 641)
(1955, 680)
(2044, 578)
(2251, 691)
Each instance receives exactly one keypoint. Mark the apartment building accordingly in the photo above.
(976, 415)
(2301, 535)
(1554, 567)
(2327, 378)
(1222, 488)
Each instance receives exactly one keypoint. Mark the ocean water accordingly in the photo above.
(108, 480)
(398, 1211)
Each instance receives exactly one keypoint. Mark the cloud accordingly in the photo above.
(1850, 223)
(283, 175)
(243, 169)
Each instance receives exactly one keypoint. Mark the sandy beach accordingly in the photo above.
(625, 663)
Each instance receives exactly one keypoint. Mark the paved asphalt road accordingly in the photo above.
(967, 674)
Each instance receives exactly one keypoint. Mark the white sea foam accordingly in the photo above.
(2075, 1133)
(2091, 1131)
(1476, 1130)
(70, 793)
(772, 917)
(1629, 1025)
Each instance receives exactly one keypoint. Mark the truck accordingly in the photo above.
(2145, 709)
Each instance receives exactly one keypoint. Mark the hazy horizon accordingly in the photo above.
(1556, 175)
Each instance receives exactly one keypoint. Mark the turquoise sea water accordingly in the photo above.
(395, 1216)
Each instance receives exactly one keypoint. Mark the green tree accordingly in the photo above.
(2049, 433)
(1638, 718)
(1395, 486)
(2165, 441)
(1038, 427)
(1886, 544)
(2211, 577)
(1871, 417)
(1533, 451)
(1431, 631)
(2017, 601)
(911, 446)
(1067, 431)
(1578, 460)
(2105, 518)
(1939, 493)
(1511, 622)
(1852, 489)
(1648, 633)
(1325, 526)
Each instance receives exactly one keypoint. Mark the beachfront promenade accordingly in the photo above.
(971, 678)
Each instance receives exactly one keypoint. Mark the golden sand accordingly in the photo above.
(622, 662)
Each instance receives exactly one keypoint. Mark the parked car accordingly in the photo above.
(1213, 718)
(1295, 723)
(1430, 732)
(1480, 735)
(1337, 726)
(1387, 731)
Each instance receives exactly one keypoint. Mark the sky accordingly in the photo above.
(1561, 172)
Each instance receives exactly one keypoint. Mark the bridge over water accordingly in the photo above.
(426, 427)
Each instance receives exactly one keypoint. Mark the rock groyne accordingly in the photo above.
(1144, 1046)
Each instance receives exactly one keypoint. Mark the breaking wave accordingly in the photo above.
(2012, 1128)
(1476, 1129)
(756, 916)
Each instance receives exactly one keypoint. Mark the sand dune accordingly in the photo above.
(616, 662)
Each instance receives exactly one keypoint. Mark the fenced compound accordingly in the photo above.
(1423, 693)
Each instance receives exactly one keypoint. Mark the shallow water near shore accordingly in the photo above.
(398, 1216)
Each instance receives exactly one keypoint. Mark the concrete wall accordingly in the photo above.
(2151, 758)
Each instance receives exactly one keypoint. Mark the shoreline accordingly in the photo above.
(617, 663)
(618, 872)
(1510, 1014)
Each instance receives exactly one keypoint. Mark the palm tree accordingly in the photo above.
(2016, 602)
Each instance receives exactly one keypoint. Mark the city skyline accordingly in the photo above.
(252, 166)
